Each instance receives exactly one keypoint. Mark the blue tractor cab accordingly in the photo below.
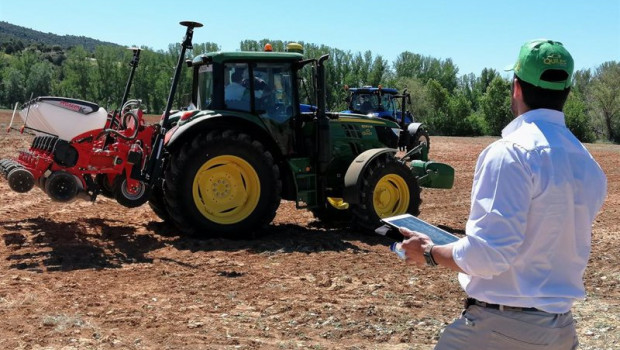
(377, 102)
(388, 103)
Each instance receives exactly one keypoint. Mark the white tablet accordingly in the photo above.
(437, 235)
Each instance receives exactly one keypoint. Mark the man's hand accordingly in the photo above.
(414, 245)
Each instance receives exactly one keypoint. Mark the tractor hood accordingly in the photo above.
(348, 117)
(376, 132)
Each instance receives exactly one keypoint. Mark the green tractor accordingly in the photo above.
(244, 144)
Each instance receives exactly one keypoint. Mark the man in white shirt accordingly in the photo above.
(535, 194)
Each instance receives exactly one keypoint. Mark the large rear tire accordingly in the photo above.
(157, 203)
(224, 183)
(388, 188)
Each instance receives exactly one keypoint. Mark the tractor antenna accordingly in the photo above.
(154, 166)
(186, 44)
(134, 64)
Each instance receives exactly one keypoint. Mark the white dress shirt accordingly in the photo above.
(535, 194)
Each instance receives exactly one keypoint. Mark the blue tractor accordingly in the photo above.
(388, 103)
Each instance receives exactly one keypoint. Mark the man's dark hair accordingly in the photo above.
(237, 75)
(536, 97)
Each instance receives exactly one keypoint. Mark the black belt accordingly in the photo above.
(471, 301)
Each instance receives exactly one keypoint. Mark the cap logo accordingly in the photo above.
(554, 59)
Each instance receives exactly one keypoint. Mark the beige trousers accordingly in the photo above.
(484, 328)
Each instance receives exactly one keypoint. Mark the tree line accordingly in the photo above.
(449, 104)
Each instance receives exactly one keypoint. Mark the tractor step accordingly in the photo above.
(306, 190)
(305, 182)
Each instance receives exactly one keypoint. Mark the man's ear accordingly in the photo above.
(516, 89)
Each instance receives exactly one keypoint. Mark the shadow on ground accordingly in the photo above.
(42, 244)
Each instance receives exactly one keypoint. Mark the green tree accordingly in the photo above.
(425, 68)
(14, 88)
(604, 98)
(107, 82)
(467, 85)
(438, 116)
(199, 49)
(77, 72)
(378, 70)
(409, 65)
(486, 77)
(39, 83)
(448, 74)
(421, 105)
(495, 105)
(449, 112)
(576, 117)
(581, 80)
(26, 61)
(459, 108)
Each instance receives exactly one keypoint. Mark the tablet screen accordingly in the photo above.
(437, 235)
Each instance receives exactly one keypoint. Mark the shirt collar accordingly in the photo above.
(535, 116)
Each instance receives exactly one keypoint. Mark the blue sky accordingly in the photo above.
(474, 34)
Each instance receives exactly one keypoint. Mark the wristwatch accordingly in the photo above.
(428, 256)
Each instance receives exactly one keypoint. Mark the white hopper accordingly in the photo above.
(63, 117)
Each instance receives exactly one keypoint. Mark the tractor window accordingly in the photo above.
(387, 103)
(365, 103)
(273, 91)
(236, 90)
(205, 86)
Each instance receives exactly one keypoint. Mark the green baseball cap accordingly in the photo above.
(544, 63)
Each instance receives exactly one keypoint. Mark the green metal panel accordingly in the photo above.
(351, 135)
(304, 176)
(433, 174)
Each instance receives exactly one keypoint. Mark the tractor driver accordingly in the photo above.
(235, 90)
(366, 104)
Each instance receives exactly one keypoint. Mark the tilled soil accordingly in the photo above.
(96, 275)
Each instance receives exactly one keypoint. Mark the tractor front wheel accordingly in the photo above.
(389, 188)
(420, 138)
(223, 183)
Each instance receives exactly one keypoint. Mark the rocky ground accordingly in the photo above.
(97, 275)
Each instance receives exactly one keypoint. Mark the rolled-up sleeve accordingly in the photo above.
(501, 194)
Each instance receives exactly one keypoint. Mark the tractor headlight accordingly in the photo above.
(396, 131)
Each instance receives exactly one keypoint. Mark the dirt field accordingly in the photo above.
(99, 276)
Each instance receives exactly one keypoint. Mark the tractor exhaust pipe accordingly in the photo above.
(323, 131)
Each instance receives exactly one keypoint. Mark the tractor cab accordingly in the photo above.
(260, 83)
(257, 91)
(378, 102)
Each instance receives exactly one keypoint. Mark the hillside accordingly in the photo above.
(10, 32)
